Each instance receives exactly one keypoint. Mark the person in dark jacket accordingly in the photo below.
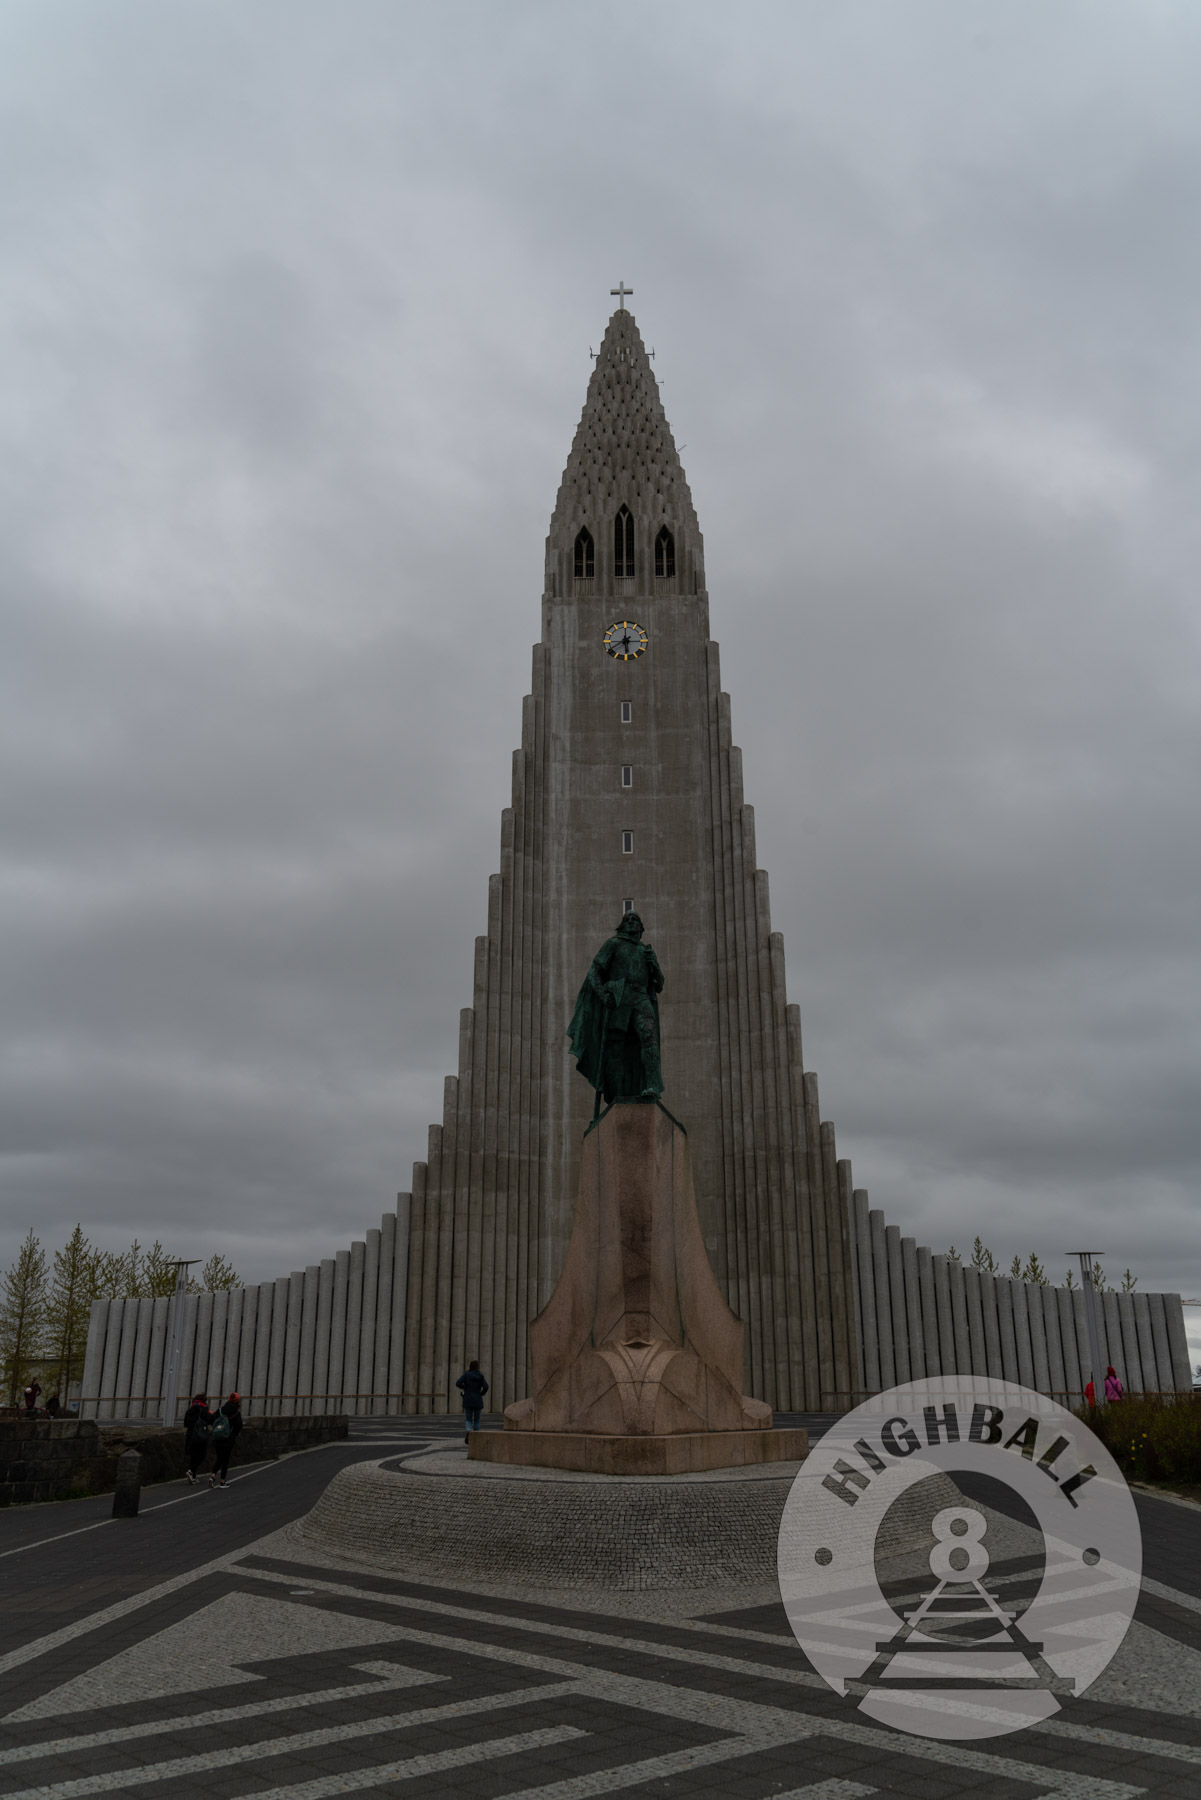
(197, 1432)
(226, 1427)
(473, 1386)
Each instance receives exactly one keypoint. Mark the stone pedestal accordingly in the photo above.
(636, 1360)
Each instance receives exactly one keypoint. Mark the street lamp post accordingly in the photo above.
(1091, 1322)
(175, 1340)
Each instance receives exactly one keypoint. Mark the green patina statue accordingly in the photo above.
(614, 1030)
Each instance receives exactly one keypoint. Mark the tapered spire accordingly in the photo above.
(624, 454)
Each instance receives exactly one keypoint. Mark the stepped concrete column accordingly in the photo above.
(398, 1375)
(1037, 1315)
(366, 1373)
(975, 1321)
(948, 1361)
(1056, 1373)
(1128, 1333)
(107, 1380)
(337, 1335)
(992, 1329)
(896, 1297)
(354, 1325)
(308, 1339)
(383, 1311)
(246, 1337)
(155, 1362)
(324, 1331)
(914, 1332)
(959, 1316)
(1007, 1327)
(884, 1327)
(233, 1343)
(1163, 1347)
(93, 1359)
(141, 1358)
(216, 1355)
(289, 1403)
(929, 1309)
(1182, 1371)
(867, 1293)
(261, 1375)
(279, 1345)
(1021, 1333)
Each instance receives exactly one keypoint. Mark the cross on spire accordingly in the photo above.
(621, 290)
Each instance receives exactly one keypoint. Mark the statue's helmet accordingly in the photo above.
(631, 925)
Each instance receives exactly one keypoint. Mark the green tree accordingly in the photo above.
(68, 1305)
(218, 1274)
(1034, 1271)
(1129, 1282)
(155, 1272)
(22, 1316)
(952, 1254)
(983, 1259)
(114, 1274)
(1070, 1280)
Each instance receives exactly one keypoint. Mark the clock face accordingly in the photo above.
(625, 640)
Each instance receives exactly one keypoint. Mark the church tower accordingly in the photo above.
(627, 792)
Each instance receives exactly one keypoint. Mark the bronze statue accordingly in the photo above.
(614, 1030)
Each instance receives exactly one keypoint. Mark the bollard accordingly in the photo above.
(128, 1490)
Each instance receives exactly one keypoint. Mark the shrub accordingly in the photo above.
(1154, 1437)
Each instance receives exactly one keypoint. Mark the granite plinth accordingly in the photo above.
(637, 1339)
(677, 1453)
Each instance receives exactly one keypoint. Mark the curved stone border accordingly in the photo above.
(624, 1535)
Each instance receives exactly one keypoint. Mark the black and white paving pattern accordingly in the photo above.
(193, 1652)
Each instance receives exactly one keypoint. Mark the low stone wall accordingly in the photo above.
(62, 1459)
(614, 1532)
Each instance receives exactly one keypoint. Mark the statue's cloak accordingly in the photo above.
(593, 1013)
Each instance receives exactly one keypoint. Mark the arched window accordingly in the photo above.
(665, 553)
(623, 543)
(585, 556)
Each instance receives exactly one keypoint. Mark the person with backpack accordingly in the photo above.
(197, 1427)
(1113, 1384)
(226, 1427)
(473, 1386)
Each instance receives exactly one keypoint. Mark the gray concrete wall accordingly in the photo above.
(273, 1344)
(930, 1313)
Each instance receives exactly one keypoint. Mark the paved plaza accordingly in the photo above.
(194, 1651)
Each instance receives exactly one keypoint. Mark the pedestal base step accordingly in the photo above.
(682, 1454)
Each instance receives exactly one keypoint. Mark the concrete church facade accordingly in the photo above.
(627, 790)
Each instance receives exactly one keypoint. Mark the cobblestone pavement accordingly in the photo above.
(259, 1673)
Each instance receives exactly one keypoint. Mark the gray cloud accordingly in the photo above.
(295, 338)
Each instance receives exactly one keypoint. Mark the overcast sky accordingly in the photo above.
(294, 325)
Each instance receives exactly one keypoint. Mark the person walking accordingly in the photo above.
(226, 1427)
(473, 1386)
(197, 1432)
(1113, 1384)
(31, 1395)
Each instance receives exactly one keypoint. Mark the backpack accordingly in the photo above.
(222, 1428)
